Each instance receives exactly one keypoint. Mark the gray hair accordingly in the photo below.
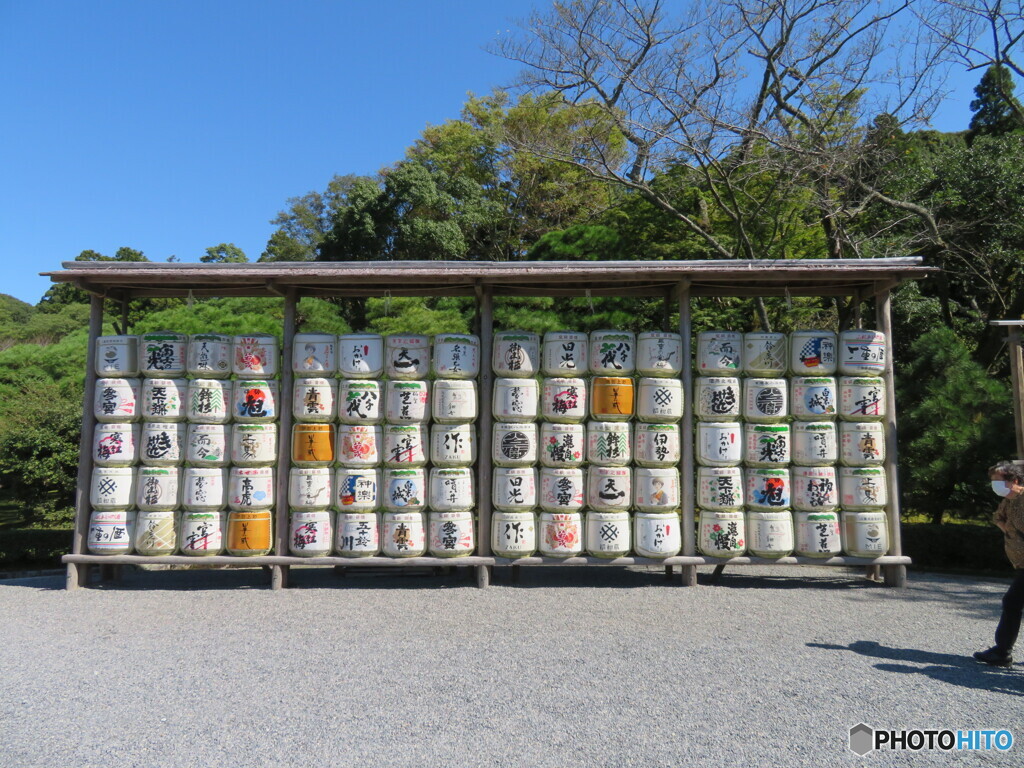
(1009, 469)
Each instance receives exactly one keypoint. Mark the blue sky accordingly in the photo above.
(172, 127)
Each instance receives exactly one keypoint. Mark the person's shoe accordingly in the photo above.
(994, 658)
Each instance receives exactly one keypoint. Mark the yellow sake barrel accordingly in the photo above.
(360, 355)
(311, 533)
(115, 445)
(659, 354)
(313, 354)
(111, 532)
(513, 534)
(162, 354)
(612, 353)
(406, 356)
(657, 534)
(564, 353)
(209, 356)
(156, 533)
(255, 356)
(723, 533)
(560, 534)
(201, 534)
(456, 356)
(608, 534)
(250, 533)
(812, 353)
(313, 445)
(611, 398)
(357, 534)
(770, 534)
(451, 533)
(117, 356)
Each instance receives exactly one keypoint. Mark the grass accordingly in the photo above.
(12, 513)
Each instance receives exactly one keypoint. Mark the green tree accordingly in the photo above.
(301, 228)
(225, 253)
(996, 110)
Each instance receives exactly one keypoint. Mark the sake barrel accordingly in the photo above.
(204, 489)
(515, 354)
(561, 534)
(865, 534)
(162, 444)
(659, 401)
(562, 489)
(254, 356)
(770, 534)
(156, 533)
(814, 443)
(514, 445)
(407, 402)
(515, 399)
(719, 353)
(767, 488)
(451, 490)
(209, 401)
(611, 398)
(513, 534)
(609, 489)
(564, 400)
(764, 354)
(722, 533)
(563, 445)
(655, 489)
(111, 532)
(403, 534)
(405, 445)
(361, 355)
(451, 533)
(719, 487)
(250, 534)
(817, 534)
(209, 356)
(812, 353)
(514, 488)
(659, 354)
(117, 356)
(453, 401)
(862, 353)
(405, 490)
(112, 488)
(718, 398)
(311, 533)
(861, 443)
(316, 400)
(115, 445)
(612, 353)
(813, 397)
(766, 445)
(407, 356)
(314, 354)
(608, 534)
(309, 488)
(158, 488)
(208, 445)
(250, 488)
(359, 445)
(609, 443)
(312, 445)
(862, 488)
(452, 445)
(162, 354)
(564, 353)
(456, 356)
(765, 401)
(358, 534)
(254, 445)
(164, 399)
(815, 488)
(719, 443)
(357, 489)
(201, 534)
(116, 400)
(861, 398)
(657, 534)
(656, 445)
(254, 400)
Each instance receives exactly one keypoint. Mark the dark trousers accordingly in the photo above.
(1013, 607)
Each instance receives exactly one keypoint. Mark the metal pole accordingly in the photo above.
(279, 573)
(689, 572)
(1017, 377)
(895, 575)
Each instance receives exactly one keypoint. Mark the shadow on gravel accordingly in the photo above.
(841, 581)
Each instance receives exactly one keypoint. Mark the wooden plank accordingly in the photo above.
(279, 577)
(1017, 379)
(883, 309)
(485, 422)
(588, 560)
(686, 466)
(271, 560)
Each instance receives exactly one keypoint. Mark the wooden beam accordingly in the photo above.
(485, 421)
(686, 466)
(1017, 379)
(893, 576)
(279, 573)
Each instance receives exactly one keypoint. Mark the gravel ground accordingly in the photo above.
(572, 666)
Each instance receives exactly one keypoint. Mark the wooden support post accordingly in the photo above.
(686, 466)
(688, 575)
(666, 320)
(1017, 377)
(895, 575)
(858, 319)
(125, 302)
(483, 576)
(279, 573)
(485, 312)
(516, 573)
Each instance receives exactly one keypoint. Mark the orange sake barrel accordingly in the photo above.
(611, 398)
(313, 445)
(249, 533)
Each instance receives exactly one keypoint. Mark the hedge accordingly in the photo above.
(33, 548)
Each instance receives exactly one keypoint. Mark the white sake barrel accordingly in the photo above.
(564, 353)
(454, 401)
(209, 401)
(764, 354)
(609, 489)
(718, 398)
(719, 443)
(722, 533)
(514, 488)
(562, 445)
(405, 490)
(865, 534)
(164, 399)
(357, 489)
(361, 355)
(315, 400)
(861, 398)
(451, 490)
(360, 401)
(115, 445)
(515, 399)
(766, 445)
(812, 353)
(359, 445)
(657, 534)
(612, 353)
(204, 489)
(156, 533)
(659, 354)
(162, 444)
(719, 353)
(861, 443)
(564, 400)
(209, 356)
(313, 445)
(719, 487)
(456, 356)
(405, 445)
(112, 488)
(656, 445)
(314, 354)
(254, 400)
(311, 533)
(358, 534)
(158, 488)
(515, 354)
(767, 488)
(310, 488)
(513, 534)
(406, 356)
(162, 354)
(770, 534)
(407, 402)
(659, 400)
(403, 534)
(201, 534)
(560, 534)
(254, 445)
(451, 533)
(609, 443)
(514, 445)
(111, 532)
(117, 356)
(452, 445)
(813, 397)
(208, 445)
(814, 443)
(765, 401)
(862, 353)
(655, 489)
(250, 533)
(817, 534)
(862, 488)
(608, 534)
(116, 400)
(254, 356)
(815, 488)
(250, 488)
(562, 489)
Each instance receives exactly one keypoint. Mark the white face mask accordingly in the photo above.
(1000, 488)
